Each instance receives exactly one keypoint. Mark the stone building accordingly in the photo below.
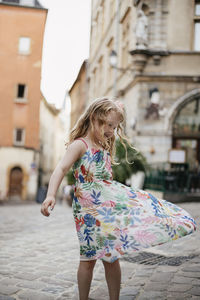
(147, 53)
(53, 135)
(78, 94)
(21, 40)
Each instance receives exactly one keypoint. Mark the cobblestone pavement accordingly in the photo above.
(39, 260)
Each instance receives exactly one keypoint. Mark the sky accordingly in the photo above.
(66, 46)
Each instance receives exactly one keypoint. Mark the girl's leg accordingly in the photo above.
(113, 278)
(85, 272)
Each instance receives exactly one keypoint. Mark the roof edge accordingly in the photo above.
(24, 6)
(79, 72)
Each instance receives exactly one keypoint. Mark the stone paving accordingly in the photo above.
(39, 260)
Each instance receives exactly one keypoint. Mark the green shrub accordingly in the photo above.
(124, 170)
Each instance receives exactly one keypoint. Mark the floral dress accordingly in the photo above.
(113, 219)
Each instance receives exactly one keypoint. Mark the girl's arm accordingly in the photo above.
(72, 154)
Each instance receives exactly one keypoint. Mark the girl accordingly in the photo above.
(111, 219)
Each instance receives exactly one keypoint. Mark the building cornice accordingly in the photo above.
(160, 52)
(146, 77)
(149, 77)
(162, 76)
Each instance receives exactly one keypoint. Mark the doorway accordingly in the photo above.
(186, 132)
(15, 183)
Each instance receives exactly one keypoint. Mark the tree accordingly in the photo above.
(124, 170)
(70, 177)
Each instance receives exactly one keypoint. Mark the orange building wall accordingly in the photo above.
(16, 68)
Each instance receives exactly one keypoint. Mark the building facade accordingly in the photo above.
(21, 40)
(53, 135)
(147, 53)
(78, 94)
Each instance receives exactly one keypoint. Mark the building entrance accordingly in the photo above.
(186, 136)
(180, 179)
(16, 179)
(186, 132)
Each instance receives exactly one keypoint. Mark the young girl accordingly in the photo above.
(111, 218)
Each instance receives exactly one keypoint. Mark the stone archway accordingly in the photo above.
(15, 182)
(183, 125)
(178, 104)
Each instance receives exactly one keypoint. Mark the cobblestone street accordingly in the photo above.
(39, 258)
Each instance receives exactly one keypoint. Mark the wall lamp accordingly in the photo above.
(113, 62)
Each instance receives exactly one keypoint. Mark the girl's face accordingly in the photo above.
(111, 123)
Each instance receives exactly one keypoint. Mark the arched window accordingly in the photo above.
(187, 121)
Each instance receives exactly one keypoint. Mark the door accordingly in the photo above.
(16, 179)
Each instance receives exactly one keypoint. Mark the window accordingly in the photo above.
(109, 77)
(197, 36)
(94, 82)
(157, 13)
(197, 8)
(21, 90)
(187, 121)
(21, 93)
(112, 7)
(102, 19)
(197, 26)
(19, 136)
(125, 40)
(24, 45)
(100, 73)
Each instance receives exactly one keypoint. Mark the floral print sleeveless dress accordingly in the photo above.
(113, 219)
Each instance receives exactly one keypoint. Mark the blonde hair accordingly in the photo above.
(99, 110)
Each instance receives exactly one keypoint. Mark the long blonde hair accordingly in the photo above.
(99, 109)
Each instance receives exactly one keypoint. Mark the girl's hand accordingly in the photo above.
(49, 201)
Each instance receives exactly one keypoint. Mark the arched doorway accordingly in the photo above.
(15, 183)
(186, 132)
(180, 180)
(186, 136)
